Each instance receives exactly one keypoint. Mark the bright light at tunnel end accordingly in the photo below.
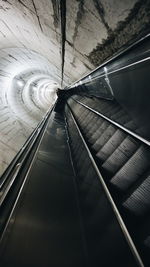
(20, 83)
(34, 87)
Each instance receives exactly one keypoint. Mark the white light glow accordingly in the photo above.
(20, 83)
(34, 88)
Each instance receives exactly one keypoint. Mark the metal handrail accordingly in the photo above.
(109, 197)
(9, 176)
(137, 136)
(122, 52)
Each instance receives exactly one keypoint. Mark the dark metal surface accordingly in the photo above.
(126, 79)
(125, 57)
(45, 228)
(105, 231)
(122, 158)
(12, 179)
(58, 220)
(19, 158)
(138, 137)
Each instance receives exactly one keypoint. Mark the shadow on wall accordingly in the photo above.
(27, 92)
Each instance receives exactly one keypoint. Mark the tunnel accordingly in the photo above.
(74, 133)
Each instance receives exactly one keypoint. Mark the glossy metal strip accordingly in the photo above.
(77, 194)
(32, 138)
(116, 212)
(5, 191)
(116, 124)
(112, 59)
(9, 221)
(118, 70)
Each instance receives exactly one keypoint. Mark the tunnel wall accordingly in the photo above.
(95, 30)
(30, 43)
(27, 92)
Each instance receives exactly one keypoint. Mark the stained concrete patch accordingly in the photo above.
(80, 14)
(136, 24)
(101, 11)
(56, 13)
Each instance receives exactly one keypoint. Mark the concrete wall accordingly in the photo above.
(30, 42)
(95, 29)
(27, 91)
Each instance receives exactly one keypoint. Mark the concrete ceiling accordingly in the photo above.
(90, 26)
(43, 41)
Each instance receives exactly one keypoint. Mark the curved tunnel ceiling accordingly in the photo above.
(27, 92)
(31, 54)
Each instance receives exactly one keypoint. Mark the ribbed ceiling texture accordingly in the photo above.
(46, 44)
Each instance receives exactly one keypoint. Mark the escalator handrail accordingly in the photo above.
(110, 60)
(109, 197)
(16, 164)
(133, 134)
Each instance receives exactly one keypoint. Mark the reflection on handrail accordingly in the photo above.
(109, 197)
(5, 190)
(117, 70)
(14, 179)
(122, 52)
(140, 138)
(9, 176)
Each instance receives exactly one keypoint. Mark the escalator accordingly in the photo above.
(44, 226)
(63, 218)
(123, 162)
(77, 194)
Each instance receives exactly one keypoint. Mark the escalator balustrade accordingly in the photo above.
(123, 160)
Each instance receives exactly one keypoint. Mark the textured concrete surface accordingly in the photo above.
(90, 25)
(30, 51)
(24, 98)
(124, 31)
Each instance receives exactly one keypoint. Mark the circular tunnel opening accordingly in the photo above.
(28, 91)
